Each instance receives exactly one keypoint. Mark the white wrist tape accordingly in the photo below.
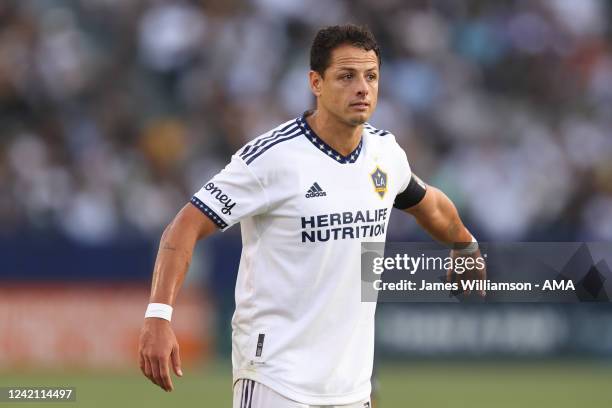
(470, 249)
(160, 310)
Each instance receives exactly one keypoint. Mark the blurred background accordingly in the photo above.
(114, 112)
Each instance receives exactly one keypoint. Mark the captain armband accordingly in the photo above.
(412, 195)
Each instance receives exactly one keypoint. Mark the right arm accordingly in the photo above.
(175, 252)
(158, 345)
(237, 193)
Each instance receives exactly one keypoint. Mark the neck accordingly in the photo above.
(342, 137)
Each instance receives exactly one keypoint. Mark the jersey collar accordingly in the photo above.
(324, 147)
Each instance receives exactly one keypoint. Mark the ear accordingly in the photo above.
(315, 81)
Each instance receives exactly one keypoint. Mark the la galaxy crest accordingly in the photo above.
(379, 179)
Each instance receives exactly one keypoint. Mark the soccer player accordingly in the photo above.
(306, 194)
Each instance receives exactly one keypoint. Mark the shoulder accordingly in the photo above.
(381, 137)
(376, 132)
(279, 138)
(385, 142)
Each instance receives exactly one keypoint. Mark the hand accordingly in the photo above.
(157, 347)
(473, 266)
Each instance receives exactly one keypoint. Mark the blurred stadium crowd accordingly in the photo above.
(114, 112)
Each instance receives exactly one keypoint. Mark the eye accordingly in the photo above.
(347, 76)
(372, 77)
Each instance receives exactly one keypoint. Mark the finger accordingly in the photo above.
(176, 361)
(450, 275)
(142, 364)
(483, 275)
(476, 277)
(461, 278)
(164, 371)
(155, 373)
(147, 368)
(151, 369)
(466, 276)
(452, 278)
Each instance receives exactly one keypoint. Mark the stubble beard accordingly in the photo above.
(358, 121)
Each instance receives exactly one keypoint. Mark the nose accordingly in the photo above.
(362, 88)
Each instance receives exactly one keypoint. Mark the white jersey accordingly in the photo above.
(300, 327)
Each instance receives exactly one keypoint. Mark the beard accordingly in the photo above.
(359, 120)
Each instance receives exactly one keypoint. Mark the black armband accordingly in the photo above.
(412, 195)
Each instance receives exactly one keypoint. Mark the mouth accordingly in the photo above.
(360, 105)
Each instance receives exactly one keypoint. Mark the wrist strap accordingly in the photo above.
(470, 249)
(160, 310)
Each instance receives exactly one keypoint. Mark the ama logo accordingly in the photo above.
(379, 179)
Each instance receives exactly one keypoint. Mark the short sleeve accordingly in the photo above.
(231, 195)
(413, 189)
(405, 172)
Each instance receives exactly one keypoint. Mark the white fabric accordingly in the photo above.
(250, 394)
(160, 310)
(298, 289)
(469, 249)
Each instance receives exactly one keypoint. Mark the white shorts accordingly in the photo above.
(251, 394)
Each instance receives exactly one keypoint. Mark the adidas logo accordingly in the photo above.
(315, 191)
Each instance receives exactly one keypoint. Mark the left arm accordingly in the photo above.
(437, 215)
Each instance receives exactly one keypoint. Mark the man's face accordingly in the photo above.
(349, 87)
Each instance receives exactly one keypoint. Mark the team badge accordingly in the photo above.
(379, 178)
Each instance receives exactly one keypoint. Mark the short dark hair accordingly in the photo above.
(330, 38)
